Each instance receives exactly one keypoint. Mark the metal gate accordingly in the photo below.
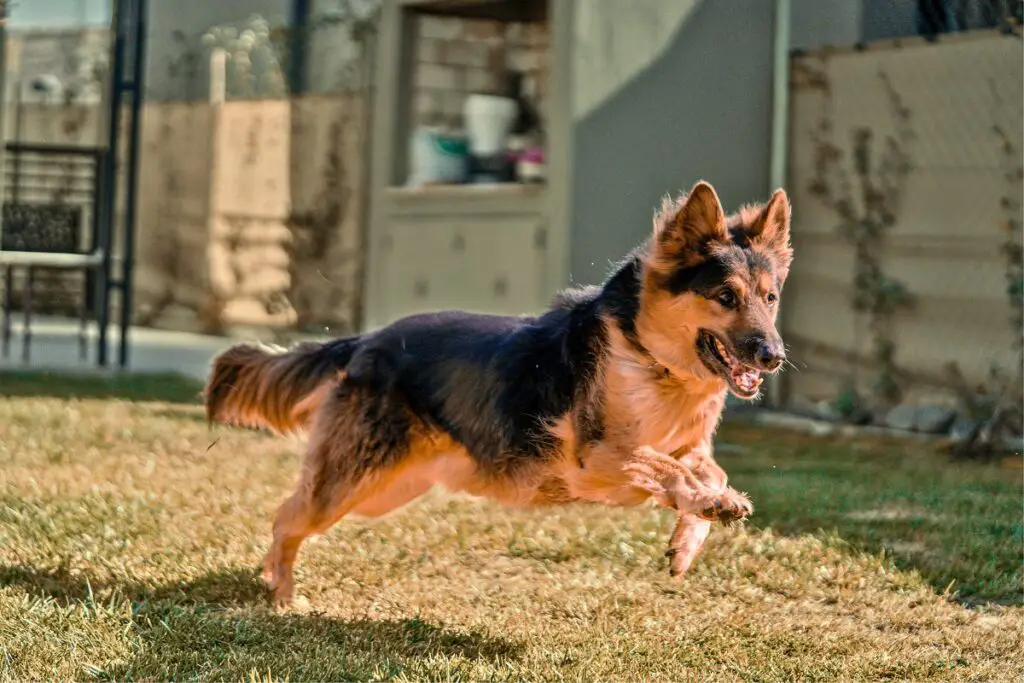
(96, 237)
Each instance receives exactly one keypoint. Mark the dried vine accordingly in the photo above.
(1011, 247)
(867, 202)
(996, 408)
(317, 229)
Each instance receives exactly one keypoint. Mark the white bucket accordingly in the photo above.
(488, 120)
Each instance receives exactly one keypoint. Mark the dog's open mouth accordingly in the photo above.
(744, 381)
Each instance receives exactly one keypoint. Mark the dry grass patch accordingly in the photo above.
(130, 537)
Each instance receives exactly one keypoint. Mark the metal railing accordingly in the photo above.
(43, 232)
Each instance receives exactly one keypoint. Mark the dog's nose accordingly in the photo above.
(770, 354)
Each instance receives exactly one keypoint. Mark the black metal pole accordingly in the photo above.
(109, 180)
(300, 35)
(131, 177)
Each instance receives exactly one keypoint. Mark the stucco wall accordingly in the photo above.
(692, 110)
(960, 199)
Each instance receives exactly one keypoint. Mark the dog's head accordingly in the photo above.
(711, 288)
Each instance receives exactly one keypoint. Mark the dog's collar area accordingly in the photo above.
(653, 364)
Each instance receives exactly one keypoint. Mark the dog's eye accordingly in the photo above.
(771, 298)
(727, 298)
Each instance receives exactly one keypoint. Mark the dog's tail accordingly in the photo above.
(272, 387)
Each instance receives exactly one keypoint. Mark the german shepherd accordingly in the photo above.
(612, 396)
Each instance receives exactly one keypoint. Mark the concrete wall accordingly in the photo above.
(58, 13)
(952, 221)
(336, 61)
(816, 23)
(172, 280)
(611, 47)
(659, 102)
(671, 92)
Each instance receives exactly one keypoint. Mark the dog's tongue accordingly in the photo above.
(746, 378)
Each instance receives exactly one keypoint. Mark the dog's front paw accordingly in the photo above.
(727, 507)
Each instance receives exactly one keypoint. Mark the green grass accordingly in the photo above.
(166, 387)
(959, 524)
(130, 537)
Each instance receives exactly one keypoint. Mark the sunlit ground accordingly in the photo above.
(131, 534)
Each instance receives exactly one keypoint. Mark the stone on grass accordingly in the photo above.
(964, 429)
(930, 419)
(934, 419)
(902, 417)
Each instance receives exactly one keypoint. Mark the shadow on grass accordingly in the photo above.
(186, 630)
(229, 588)
(164, 387)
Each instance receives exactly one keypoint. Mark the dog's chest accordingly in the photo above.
(664, 414)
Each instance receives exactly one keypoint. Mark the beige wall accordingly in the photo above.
(945, 246)
(173, 230)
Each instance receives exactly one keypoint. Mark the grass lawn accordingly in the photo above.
(130, 537)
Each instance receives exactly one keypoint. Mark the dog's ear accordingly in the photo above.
(770, 231)
(684, 227)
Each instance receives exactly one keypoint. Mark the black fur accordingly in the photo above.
(621, 295)
(703, 279)
(467, 373)
(496, 383)
(707, 276)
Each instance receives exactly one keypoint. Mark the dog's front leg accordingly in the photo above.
(702, 463)
(686, 543)
(674, 485)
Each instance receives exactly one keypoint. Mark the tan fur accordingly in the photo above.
(265, 386)
(660, 411)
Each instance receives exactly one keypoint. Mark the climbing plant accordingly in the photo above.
(863, 183)
(995, 407)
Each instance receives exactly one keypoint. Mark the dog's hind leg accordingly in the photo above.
(362, 442)
(312, 509)
(317, 506)
(296, 519)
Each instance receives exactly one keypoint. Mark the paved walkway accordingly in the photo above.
(55, 347)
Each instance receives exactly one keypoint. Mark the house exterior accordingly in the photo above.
(640, 102)
(645, 102)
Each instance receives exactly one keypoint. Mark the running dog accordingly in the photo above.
(613, 395)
